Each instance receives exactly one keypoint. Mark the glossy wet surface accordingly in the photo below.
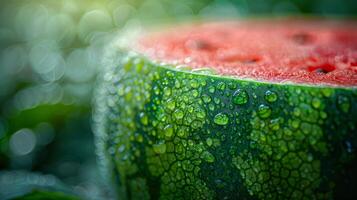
(308, 52)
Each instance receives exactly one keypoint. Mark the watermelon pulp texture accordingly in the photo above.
(312, 52)
(169, 132)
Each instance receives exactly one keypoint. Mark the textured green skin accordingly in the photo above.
(159, 136)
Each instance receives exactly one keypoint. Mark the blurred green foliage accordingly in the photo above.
(19, 183)
(50, 54)
(45, 195)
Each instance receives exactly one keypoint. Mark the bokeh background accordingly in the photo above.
(50, 56)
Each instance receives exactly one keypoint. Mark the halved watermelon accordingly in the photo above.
(232, 110)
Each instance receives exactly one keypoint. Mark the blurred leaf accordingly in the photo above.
(49, 113)
(26, 185)
(46, 195)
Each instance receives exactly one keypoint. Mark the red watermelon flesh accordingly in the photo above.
(311, 52)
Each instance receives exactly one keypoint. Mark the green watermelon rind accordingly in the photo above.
(172, 133)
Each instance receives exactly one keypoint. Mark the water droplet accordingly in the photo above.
(240, 97)
(264, 111)
(208, 157)
(178, 114)
(181, 132)
(316, 103)
(327, 92)
(274, 124)
(196, 124)
(206, 98)
(171, 104)
(194, 83)
(156, 90)
(194, 93)
(190, 109)
(270, 96)
(177, 84)
(167, 91)
(169, 131)
(211, 107)
(200, 114)
(209, 142)
(211, 89)
(343, 103)
(221, 86)
(202, 82)
(161, 114)
(159, 148)
(221, 119)
(217, 100)
(232, 85)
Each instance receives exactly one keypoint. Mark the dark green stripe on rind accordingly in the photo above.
(173, 134)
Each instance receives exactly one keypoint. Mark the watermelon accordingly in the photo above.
(255, 109)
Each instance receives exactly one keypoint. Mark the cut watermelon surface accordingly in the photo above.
(232, 110)
(311, 52)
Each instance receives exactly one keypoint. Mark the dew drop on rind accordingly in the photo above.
(211, 89)
(194, 83)
(206, 98)
(211, 107)
(274, 124)
(270, 96)
(240, 97)
(143, 119)
(159, 148)
(178, 114)
(195, 93)
(181, 132)
(171, 104)
(264, 111)
(217, 100)
(327, 92)
(221, 86)
(316, 103)
(200, 114)
(221, 119)
(177, 84)
(208, 157)
(169, 131)
(209, 142)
